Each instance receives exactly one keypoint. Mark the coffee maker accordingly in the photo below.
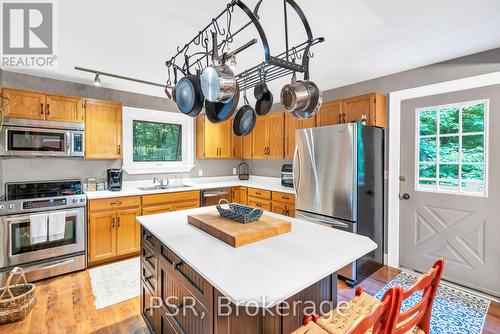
(115, 179)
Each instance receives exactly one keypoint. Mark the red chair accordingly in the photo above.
(382, 318)
(418, 318)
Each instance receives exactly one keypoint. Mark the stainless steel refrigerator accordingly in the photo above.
(338, 174)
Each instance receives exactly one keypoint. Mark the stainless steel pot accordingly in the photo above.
(295, 96)
(218, 83)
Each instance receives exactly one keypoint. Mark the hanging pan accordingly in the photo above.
(219, 112)
(188, 95)
(245, 119)
(264, 99)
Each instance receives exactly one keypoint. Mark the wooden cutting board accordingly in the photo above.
(236, 234)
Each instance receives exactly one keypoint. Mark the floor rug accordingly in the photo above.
(454, 311)
(116, 282)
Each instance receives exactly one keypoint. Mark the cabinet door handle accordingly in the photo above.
(118, 224)
(41, 108)
(113, 220)
(119, 149)
(48, 109)
(339, 118)
(343, 117)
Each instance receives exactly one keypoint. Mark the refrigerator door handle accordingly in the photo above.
(296, 171)
(329, 222)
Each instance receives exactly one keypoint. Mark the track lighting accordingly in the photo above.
(98, 74)
(97, 80)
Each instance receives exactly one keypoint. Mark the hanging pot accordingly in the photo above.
(188, 95)
(219, 111)
(295, 95)
(245, 119)
(264, 99)
(217, 81)
(315, 101)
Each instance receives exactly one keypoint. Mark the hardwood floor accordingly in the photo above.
(66, 305)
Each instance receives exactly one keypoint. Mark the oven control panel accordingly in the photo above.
(28, 205)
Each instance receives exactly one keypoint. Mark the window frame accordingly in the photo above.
(153, 167)
(460, 134)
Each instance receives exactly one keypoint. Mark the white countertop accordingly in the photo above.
(131, 188)
(264, 273)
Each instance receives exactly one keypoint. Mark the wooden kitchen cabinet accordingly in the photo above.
(64, 108)
(102, 236)
(167, 202)
(113, 232)
(291, 126)
(103, 130)
(24, 104)
(41, 106)
(242, 146)
(268, 137)
(127, 231)
(213, 141)
(330, 113)
(371, 106)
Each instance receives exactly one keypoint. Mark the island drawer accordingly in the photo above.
(183, 309)
(148, 277)
(193, 281)
(259, 203)
(259, 193)
(283, 197)
(149, 259)
(149, 239)
(114, 203)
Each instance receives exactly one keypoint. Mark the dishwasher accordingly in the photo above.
(211, 197)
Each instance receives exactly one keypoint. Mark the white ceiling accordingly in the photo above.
(364, 38)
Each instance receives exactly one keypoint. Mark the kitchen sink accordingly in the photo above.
(159, 187)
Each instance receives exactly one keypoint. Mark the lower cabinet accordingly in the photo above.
(277, 202)
(167, 202)
(112, 229)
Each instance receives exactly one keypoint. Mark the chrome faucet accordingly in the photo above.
(161, 181)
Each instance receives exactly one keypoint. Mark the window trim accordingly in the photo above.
(458, 192)
(153, 167)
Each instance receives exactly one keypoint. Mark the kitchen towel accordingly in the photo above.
(38, 228)
(57, 225)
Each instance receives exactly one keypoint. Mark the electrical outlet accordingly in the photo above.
(200, 172)
(234, 171)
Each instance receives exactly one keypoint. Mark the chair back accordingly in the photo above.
(382, 318)
(420, 314)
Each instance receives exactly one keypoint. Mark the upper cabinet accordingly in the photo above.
(39, 106)
(269, 137)
(103, 130)
(213, 141)
(330, 113)
(24, 104)
(64, 108)
(242, 146)
(371, 107)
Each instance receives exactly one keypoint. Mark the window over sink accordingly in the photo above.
(452, 148)
(157, 141)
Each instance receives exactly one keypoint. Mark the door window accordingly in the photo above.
(452, 148)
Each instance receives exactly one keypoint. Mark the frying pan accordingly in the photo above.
(264, 99)
(188, 95)
(219, 111)
(245, 119)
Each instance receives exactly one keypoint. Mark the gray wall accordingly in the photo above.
(52, 168)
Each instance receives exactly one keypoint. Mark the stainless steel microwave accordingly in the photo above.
(31, 138)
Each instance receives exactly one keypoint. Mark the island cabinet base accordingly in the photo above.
(175, 299)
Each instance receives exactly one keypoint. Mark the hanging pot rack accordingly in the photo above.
(272, 68)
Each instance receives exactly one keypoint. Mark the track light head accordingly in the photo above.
(97, 80)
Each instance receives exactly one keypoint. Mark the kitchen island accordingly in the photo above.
(194, 283)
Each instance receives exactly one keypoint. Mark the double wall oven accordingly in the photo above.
(51, 257)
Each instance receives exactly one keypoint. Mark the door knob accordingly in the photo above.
(405, 197)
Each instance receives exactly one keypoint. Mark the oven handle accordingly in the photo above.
(26, 217)
(68, 143)
(41, 266)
